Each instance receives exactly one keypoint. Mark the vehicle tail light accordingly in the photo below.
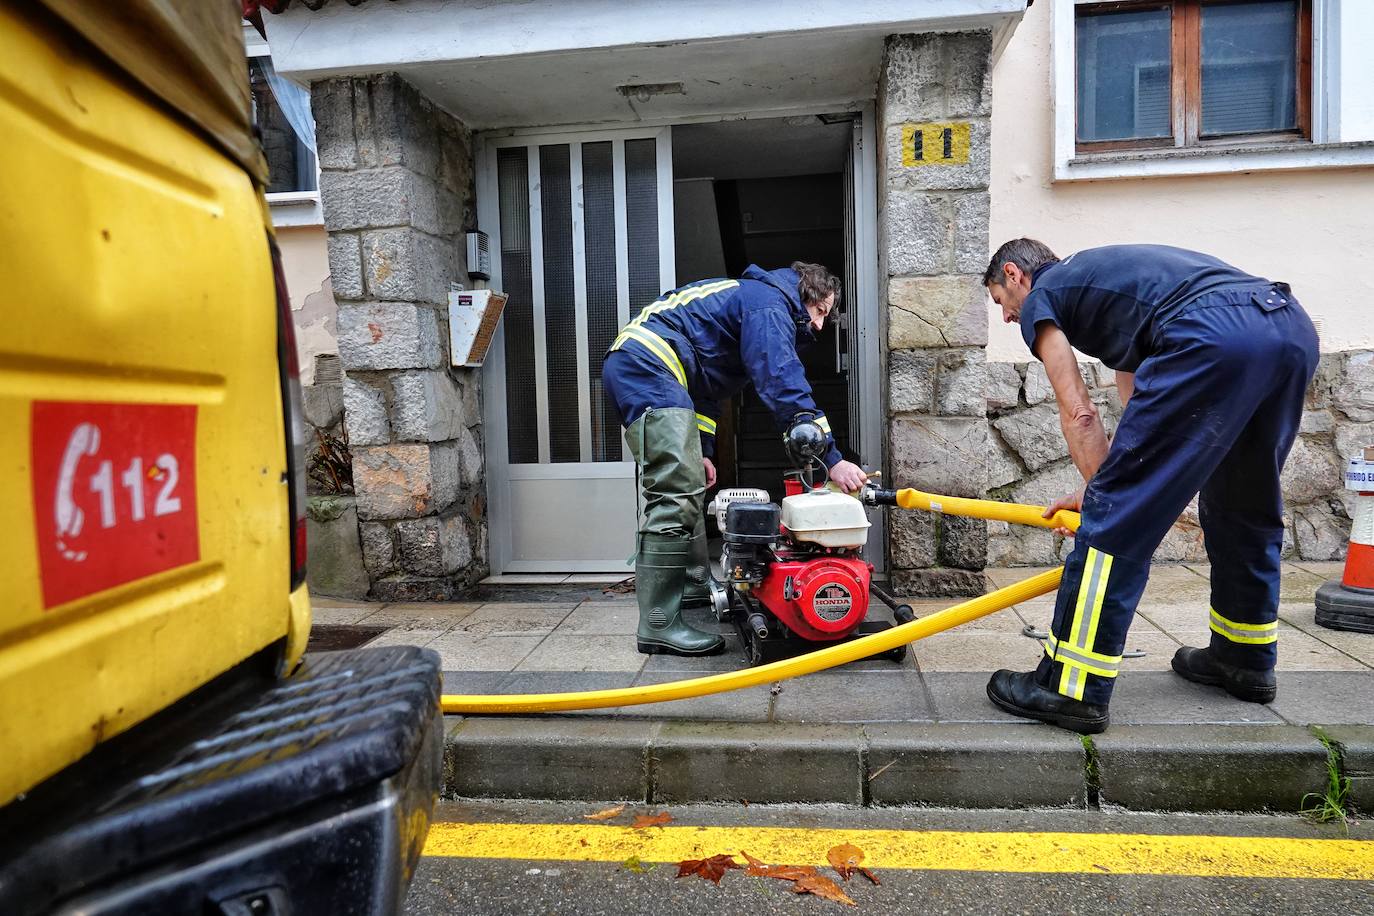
(294, 417)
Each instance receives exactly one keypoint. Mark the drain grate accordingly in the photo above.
(331, 637)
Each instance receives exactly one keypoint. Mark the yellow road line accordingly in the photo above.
(934, 850)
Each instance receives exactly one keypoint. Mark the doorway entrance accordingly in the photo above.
(592, 227)
(768, 192)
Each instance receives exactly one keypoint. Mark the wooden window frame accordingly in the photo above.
(1185, 90)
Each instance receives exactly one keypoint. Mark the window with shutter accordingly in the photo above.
(1179, 73)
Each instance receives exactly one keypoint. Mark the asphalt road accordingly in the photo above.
(498, 858)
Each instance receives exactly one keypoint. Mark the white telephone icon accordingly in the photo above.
(84, 441)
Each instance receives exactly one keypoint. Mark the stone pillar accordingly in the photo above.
(396, 183)
(934, 107)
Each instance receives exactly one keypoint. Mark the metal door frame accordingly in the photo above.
(499, 471)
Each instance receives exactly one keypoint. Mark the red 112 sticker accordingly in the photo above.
(114, 493)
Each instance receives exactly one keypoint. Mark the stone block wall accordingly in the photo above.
(1029, 460)
(397, 187)
(934, 103)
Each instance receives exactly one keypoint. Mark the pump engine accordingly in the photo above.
(794, 575)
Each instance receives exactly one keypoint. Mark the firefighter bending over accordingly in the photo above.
(1212, 364)
(666, 373)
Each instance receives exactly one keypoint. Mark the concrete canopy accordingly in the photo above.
(551, 62)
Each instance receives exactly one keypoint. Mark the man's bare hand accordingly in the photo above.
(848, 476)
(710, 472)
(1073, 502)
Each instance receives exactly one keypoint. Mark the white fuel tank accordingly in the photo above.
(826, 518)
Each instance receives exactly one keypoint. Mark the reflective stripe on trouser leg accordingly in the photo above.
(1092, 589)
(1244, 634)
(667, 447)
(1092, 615)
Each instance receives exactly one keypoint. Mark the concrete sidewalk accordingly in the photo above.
(927, 720)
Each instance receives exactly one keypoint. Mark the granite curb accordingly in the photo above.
(1193, 768)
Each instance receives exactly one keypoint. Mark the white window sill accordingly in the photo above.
(1214, 160)
(296, 208)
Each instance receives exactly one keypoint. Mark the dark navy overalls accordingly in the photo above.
(698, 345)
(1222, 360)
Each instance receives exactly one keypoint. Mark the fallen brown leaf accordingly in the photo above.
(652, 820)
(757, 869)
(606, 814)
(712, 869)
(869, 875)
(821, 886)
(846, 858)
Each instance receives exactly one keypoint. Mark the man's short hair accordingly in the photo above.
(1027, 254)
(817, 282)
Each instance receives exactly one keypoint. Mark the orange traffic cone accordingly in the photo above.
(1349, 603)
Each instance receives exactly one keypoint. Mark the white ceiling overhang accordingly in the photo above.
(517, 63)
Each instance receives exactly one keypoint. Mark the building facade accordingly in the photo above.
(610, 152)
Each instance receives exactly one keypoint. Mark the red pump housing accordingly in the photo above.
(820, 598)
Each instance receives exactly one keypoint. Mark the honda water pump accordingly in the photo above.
(794, 575)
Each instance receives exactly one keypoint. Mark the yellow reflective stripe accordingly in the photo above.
(706, 424)
(823, 423)
(681, 297)
(1252, 634)
(656, 345)
(1092, 590)
(1085, 657)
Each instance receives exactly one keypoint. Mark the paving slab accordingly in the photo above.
(1007, 621)
(1301, 652)
(1208, 767)
(1355, 744)
(1359, 646)
(1164, 698)
(464, 652)
(854, 696)
(512, 619)
(977, 650)
(423, 616)
(340, 613)
(547, 757)
(474, 683)
(603, 619)
(757, 763)
(750, 704)
(1326, 697)
(400, 636)
(581, 652)
(963, 697)
(984, 766)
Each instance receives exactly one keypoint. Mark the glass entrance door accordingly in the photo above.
(581, 226)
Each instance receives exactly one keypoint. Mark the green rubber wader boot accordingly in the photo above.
(660, 575)
(698, 590)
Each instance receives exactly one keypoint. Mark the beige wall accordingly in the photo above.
(1311, 228)
(306, 263)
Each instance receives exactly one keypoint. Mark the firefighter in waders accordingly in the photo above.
(667, 373)
(1212, 365)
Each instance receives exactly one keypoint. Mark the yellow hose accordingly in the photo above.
(766, 674)
(822, 658)
(989, 509)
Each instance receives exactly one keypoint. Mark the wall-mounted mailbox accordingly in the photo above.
(473, 315)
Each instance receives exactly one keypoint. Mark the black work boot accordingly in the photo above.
(1202, 667)
(660, 575)
(1019, 694)
(698, 590)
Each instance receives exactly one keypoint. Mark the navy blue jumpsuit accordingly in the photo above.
(698, 345)
(1222, 360)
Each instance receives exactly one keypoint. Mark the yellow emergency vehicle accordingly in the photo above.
(163, 747)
